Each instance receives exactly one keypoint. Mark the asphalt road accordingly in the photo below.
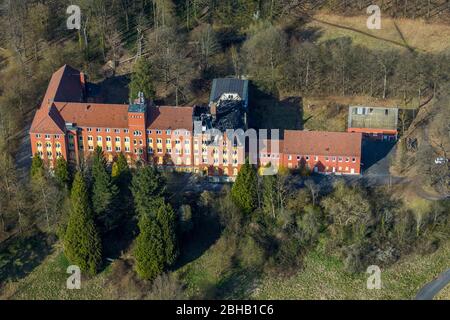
(432, 288)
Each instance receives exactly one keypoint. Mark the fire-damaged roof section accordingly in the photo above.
(372, 117)
(228, 85)
(322, 143)
(230, 116)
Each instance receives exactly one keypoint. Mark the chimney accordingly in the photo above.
(49, 104)
(83, 85)
(214, 110)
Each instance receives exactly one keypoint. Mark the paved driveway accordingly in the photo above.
(432, 288)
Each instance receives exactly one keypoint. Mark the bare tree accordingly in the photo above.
(206, 44)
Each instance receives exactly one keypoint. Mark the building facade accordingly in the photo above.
(319, 152)
(69, 125)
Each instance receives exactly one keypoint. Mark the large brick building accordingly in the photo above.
(69, 124)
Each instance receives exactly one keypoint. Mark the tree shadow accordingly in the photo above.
(21, 254)
(304, 33)
(268, 112)
(119, 240)
(206, 232)
(239, 284)
(111, 90)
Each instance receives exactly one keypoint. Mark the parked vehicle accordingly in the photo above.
(440, 160)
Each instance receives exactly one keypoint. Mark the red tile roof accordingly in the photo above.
(322, 143)
(94, 114)
(63, 104)
(266, 146)
(65, 86)
(48, 120)
(173, 118)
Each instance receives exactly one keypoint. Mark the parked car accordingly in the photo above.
(440, 160)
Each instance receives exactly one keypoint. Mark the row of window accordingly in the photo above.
(138, 132)
(47, 136)
(48, 145)
(49, 154)
(316, 158)
(216, 161)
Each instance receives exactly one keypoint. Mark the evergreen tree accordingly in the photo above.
(142, 80)
(104, 193)
(82, 244)
(167, 222)
(149, 249)
(147, 186)
(269, 195)
(121, 177)
(244, 192)
(62, 174)
(121, 173)
(37, 166)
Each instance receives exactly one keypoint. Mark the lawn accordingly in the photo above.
(48, 282)
(323, 277)
(269, 112)
(214, 275)
(394, 33)
(330, 113)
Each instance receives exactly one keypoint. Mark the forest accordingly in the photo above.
(175, 48)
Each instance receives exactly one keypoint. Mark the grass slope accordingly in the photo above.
(48, 282)
(323, 277)
(417, 34)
